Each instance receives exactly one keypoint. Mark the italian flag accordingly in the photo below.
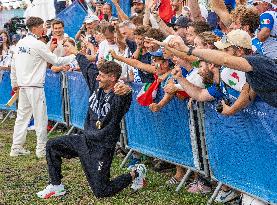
(148, 92)
(265, 21)
(165, 10)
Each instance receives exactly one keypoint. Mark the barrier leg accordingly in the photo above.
(183, 181)
(126, 158)
(216, 191)
(69, 131)
(53, 128)
(4, 120)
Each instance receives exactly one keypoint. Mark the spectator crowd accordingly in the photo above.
(190, 50)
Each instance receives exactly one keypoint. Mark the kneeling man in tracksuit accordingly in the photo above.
(30, 61)
(109, 101)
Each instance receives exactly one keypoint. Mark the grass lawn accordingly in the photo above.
(22, 177)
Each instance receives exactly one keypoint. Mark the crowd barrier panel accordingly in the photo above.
(54, 96)
(5, 91)
(73, 17)
(164, 135)
(242, 149)
(78, 94)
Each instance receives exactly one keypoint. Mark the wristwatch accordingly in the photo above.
(191, 48)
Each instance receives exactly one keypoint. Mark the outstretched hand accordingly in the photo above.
(122, 89)
(226, 109)
(154, 107)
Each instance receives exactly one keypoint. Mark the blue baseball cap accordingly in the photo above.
(157, 53)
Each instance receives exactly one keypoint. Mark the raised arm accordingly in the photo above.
(218, 58)
(134, 63)
(51, 58)
(220, 9)
(121, 15)
(162, 25)
(192, 90)
(195, 10)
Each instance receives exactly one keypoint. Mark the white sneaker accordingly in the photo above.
(12, 115)
(249, 200)
(52, 190)
(139, 181)
(19, 151)
(225, 196)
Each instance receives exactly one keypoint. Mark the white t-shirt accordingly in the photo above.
(234, 78)
(194, 78)
(104, 48)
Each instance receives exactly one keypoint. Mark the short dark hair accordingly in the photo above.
(141, 30)
(109, 28)
(154, 33)
(33, 22)
(110, 67)
(250, 18)
(57, 21)
(200, 26)
(137, 20)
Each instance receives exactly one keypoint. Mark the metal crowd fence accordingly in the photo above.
(239, 151)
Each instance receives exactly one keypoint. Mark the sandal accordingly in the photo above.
(172, 181)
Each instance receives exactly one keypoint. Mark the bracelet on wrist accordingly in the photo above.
(191, 48)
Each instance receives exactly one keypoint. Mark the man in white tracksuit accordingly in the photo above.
(31, 59)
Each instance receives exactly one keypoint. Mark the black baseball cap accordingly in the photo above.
(182, 22)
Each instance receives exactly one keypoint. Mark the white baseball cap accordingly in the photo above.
(90, 19)
(237, 38)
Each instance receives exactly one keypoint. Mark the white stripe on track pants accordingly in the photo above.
(31, 102)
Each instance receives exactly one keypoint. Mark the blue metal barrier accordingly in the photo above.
(73, 17)
(54, 96)
(78, 94)
(164, 134)
(5, 91)
(242, 149)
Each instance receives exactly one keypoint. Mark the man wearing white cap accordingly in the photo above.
(268, 27)
(89, 25)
